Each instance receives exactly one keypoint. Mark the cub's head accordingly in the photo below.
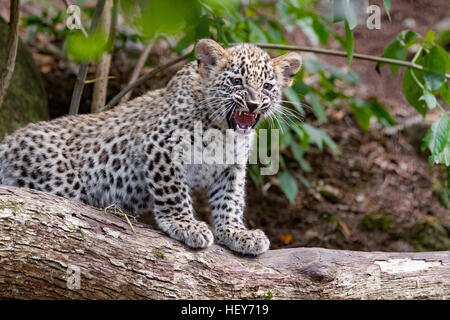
(243, 84)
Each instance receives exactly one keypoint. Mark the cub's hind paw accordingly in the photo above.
(251, 242)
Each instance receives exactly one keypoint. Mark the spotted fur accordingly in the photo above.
(123, 155)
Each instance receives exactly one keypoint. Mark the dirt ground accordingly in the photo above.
(383, 191)
(383, 195)
(386, 188)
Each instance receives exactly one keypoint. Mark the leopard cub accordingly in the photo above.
(124, 155)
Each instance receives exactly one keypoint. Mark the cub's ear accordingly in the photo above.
(210, 55)
(286, 66)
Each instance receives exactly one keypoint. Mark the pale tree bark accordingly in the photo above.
(138, 68)
(45, 240)
(102, 68)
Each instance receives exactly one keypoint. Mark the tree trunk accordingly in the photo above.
(11, 49)
(51, 247)
(102, 68)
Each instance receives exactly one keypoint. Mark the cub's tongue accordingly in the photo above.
(243, 119)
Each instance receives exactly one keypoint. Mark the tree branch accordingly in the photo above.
(11, 49)
(45, 241)
(138, 68)
(338, 53)
(144, 78)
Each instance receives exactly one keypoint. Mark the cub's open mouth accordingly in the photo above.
(242, 120)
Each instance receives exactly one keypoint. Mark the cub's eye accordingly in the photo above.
(237, 81)
(268, 86)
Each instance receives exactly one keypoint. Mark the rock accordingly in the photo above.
(443, 25)
(409, 23)
(332, 194)
(26, 100)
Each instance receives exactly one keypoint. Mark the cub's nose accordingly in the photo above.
(252, 106)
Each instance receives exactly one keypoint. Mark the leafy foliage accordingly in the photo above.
(422, 87)
(230, 21)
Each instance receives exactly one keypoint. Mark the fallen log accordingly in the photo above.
(54, 248)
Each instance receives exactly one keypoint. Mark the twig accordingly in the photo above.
(138, 68)
(81, 77)
(11, 49)
(144, 78)
(113, 27)
(341, 54)
(98, 79)
(270, 46)
(54, 50)
(103, 66)
(116, 210)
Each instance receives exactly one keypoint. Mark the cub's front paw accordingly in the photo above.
(195, 234)
(251, 242)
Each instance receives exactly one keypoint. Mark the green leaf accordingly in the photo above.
(303, 180)
(292, 96)
(184, 42)
(345, 10)
(221, 37)
(429, 99)
(306, 24)
(410, 38)
(202, 29)
(302, 135)
(442, 157)
(437, 137)
(444, 195)
(430, 37)
(168, 17)
(413, 92)
(387, 7)
(319, 137)
(364, 110)
(221, 7)
(298, 153)
(331, 144)
(396, 50)
(321, 30)
(91, 48)
(444, 92)
(435, 65)
(255, 174)
(362, 115)
(445, 55)
(285, 137)
(349, 42)
(317, 107)
(381, 113)
(275, 33)
(256, 33)
(288, 185)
